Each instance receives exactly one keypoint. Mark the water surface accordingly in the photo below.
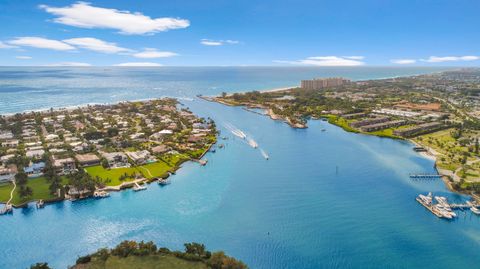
(324, 199)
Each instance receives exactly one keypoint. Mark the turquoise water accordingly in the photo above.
(296, 210)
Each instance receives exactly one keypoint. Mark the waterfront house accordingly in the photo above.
(34, 169)
(159, 149)
(7, 173)
(116, 159)
(64, 166)
(88, 159)
(141, 157)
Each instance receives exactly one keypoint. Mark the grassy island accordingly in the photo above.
(146, 255)
(70, 153)
(440, 113)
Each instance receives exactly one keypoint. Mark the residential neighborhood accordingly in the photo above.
(76, 151)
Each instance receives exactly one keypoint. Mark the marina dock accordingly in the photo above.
(442, 208)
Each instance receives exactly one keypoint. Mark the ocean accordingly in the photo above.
(324, 199)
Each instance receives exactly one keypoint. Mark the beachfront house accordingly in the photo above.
(34, 169)
(141, 157)
(88, 159)
(116, 159)
(64, 166)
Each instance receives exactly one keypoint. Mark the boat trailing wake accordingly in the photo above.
(250, 141)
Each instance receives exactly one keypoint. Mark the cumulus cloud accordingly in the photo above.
(84, 15)
(150, 53)
(138, 64)
(436, 59)
(403, 61)
(69, 64)
(23, 57)
(6, 46)
(327, 61)
(95, 44)
(40, 42)
(209, 42)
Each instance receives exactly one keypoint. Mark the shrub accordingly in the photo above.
(84, 259)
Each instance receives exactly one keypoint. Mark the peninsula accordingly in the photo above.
(439, 112)
(131, 254)
(76, 153)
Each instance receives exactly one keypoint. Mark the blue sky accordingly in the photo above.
(244, 32)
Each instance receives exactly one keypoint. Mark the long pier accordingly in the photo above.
(424, 176)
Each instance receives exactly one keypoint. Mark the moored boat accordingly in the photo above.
(163, 181)
(40, 204)
(475, 210)
(101, 194)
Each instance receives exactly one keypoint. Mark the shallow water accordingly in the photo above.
(324, 199)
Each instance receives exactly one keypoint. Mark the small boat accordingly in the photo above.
(475, 210)
(323, 130)
(40, 204)
(163, 181)
(139, 187)
(101, 194)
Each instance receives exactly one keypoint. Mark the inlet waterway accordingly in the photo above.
(324, 199)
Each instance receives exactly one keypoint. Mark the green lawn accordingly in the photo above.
(40, 187)
(157, 261)
(112, 175)
(152, 170)
(340, 122)
(157, 169)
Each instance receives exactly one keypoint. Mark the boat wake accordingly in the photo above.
(264, 154)
(252, 143)
(234, 130)
(249, 140)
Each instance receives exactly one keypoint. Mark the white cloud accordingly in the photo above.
(403, 61)
(209, 42)
(83, 15)
(326, 61)
(6, 46)
(42, 43)
(69, 64)
(436, 59)
(150, 53)
(354, 57)
(139, 64)
(23, 57)
(95, 44)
